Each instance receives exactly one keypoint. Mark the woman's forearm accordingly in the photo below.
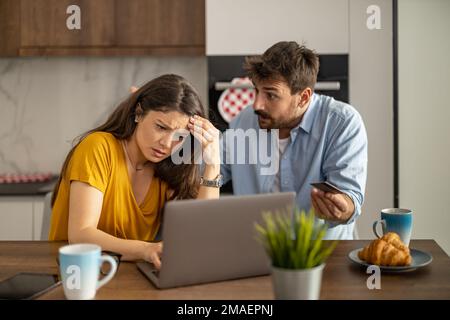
(129, 249)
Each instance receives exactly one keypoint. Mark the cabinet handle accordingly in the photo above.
(321, 85)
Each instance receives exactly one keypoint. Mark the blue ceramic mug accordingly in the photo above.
(395, 220)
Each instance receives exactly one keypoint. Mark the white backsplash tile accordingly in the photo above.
(46, 102)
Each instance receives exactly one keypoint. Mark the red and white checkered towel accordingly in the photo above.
(233, 100)
(25, 178)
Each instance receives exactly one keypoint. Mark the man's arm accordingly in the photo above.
(225, 167)
(344, 165)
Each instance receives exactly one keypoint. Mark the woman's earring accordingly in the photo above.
(136, 119)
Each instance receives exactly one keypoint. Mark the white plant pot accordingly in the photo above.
(297, 284)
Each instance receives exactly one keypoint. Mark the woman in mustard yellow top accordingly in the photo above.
(117, 178)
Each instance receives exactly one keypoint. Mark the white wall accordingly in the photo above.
(424, 115)
(371, 93)
(246, 27)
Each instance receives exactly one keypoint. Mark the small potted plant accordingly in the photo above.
(298, 253)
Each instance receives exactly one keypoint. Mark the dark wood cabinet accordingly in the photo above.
(160, 23)
(9, 27)
(107, 28)
(43, 23)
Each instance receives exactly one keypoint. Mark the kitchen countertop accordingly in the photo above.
(27, 189)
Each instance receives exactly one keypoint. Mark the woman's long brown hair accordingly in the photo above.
(166, 93)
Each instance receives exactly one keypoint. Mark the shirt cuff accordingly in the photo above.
(353, 217)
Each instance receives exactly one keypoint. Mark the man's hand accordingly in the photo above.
(332, 206)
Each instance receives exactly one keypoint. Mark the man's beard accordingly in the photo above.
(267, 122)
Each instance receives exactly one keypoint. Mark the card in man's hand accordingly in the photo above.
(326, 187)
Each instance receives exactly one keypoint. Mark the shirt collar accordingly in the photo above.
(308, 117)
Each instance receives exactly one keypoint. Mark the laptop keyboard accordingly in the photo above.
(156, 273)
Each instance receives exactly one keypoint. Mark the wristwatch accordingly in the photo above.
(216, 183)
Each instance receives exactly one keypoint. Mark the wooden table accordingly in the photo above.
(341, 278)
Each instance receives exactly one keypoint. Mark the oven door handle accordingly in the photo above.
(320, 86)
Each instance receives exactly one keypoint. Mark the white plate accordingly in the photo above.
(419, 259)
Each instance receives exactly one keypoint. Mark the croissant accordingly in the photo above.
(387, 251)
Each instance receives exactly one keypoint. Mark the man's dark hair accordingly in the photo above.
(293, 63)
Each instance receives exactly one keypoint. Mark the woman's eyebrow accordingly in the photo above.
(165, 124)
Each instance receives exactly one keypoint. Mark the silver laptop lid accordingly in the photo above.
(213, 240)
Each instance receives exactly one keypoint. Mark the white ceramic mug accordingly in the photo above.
(79, 265)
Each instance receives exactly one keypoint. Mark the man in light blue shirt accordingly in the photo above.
(318, 139)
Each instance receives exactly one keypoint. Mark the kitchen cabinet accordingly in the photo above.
(38, 217)
(21, 217)
(43, 24)
(106, 27)
(160, 23)
(9, 27)
(236, 27)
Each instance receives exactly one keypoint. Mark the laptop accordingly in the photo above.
(213, 240)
